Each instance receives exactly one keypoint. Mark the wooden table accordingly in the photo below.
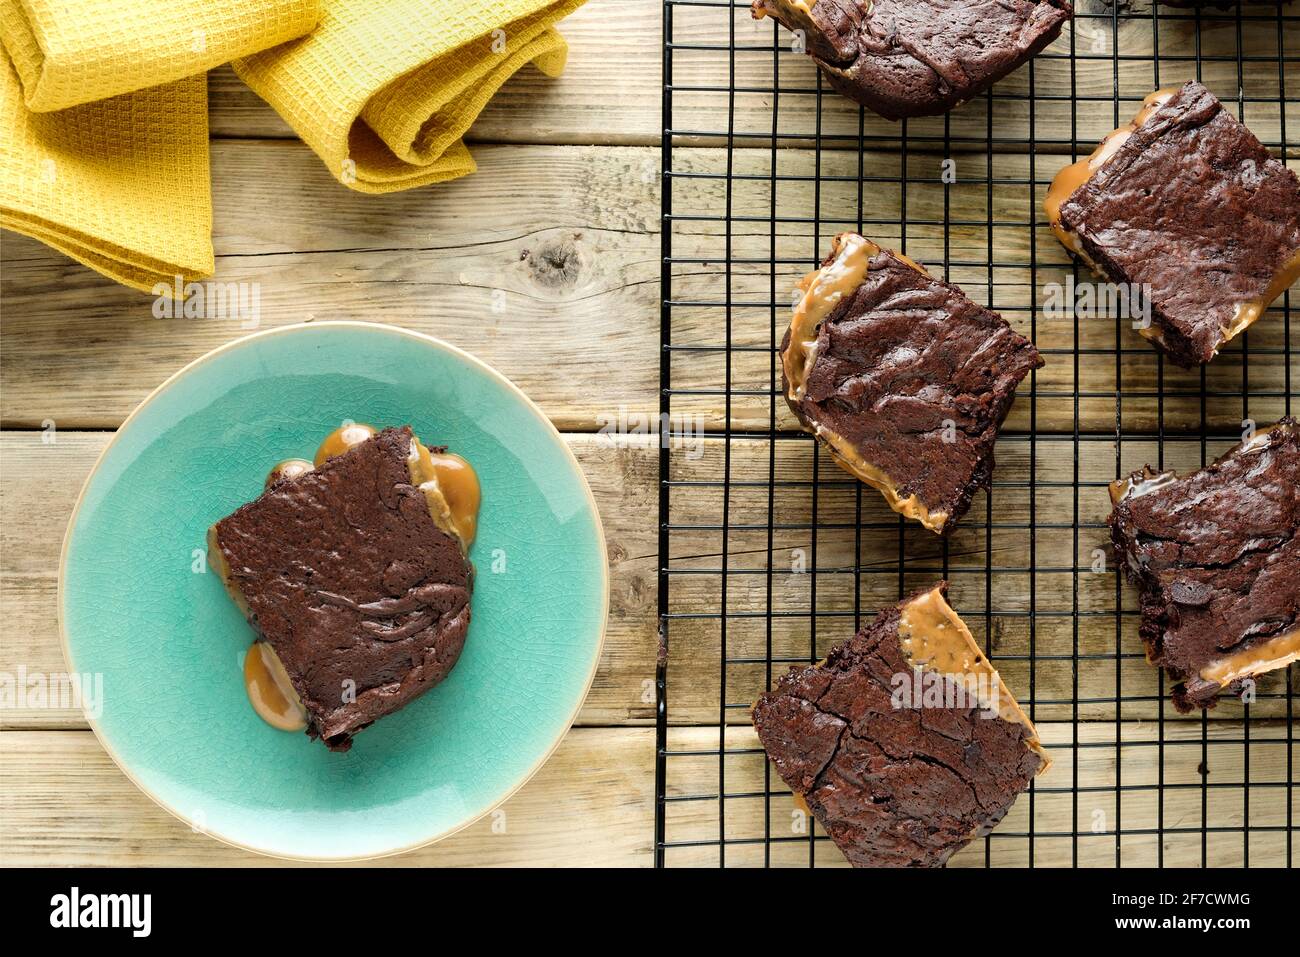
(562, 220)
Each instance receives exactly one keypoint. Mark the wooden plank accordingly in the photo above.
(692, 821)
(545, 244)
(589, 103)
(34, 512)
(66, 804)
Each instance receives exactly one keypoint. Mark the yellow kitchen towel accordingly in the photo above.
(69, 52)
(121, 185)
(383, 90)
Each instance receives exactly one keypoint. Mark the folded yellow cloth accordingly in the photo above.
(103, 110)
(104, 126)
(383, 90)
(121, 185)
(69, 52)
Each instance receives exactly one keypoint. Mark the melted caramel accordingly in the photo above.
(270, 691)
(451, 486)
(822, 291)
(1278, 652)
(1247, 312)
(908, 260)
(1076, 174)
(799, 9)
(288, 469)
(1140, 484)
(342, 439)
(1259, 439)
(217, 562)
(848, 457)
(801, 803)
(933, 638)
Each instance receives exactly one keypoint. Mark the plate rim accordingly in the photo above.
(457, 353)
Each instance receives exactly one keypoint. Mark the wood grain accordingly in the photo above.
(65, 804)
(577, 253)
(546, 264)
(545, 241)
(34, 512)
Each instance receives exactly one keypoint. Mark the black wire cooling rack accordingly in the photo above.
(770, 554)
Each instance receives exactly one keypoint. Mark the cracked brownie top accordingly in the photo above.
(1216, 556)
(904, 743)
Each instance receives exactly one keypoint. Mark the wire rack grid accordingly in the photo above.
(770, 554)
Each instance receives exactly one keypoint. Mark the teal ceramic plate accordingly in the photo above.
(139, 608)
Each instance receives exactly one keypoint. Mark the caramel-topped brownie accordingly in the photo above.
(904, 743)
(1216, 556)
(902, 377)
(353, 572)
(918, 57)
(1186, 208)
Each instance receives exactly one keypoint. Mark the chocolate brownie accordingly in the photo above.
(1187, 207)
(904, 743)
(363, 595)
(1216, 556)
(918, 57)
(902, 377)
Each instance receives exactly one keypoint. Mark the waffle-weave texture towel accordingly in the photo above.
(77, 51)
(383, 90)
(104, 127)
(121, 185)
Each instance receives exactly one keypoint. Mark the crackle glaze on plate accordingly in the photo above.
(138, 606)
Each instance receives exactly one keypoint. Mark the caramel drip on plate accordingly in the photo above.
(217, 562)
(452, 488)
(822, 291)
(288, 469)
(270, 691)
(448, 482)
(1278, 652)
(342, 439)
(934, 639)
